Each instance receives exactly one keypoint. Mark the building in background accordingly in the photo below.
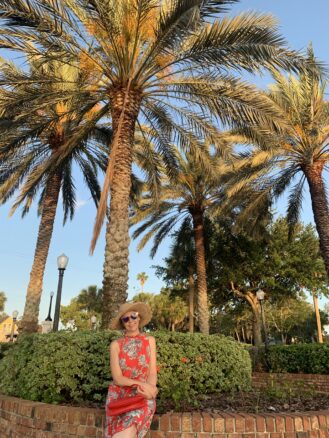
(6, 327)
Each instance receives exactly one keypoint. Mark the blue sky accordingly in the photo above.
(300, 22)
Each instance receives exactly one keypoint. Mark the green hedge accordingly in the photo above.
(4, 346)
(74, 367)
(300, 358)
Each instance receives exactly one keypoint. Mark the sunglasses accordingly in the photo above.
(133, 317)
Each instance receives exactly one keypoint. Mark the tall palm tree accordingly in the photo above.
(180, 266)
(301, 152)
(191, 194)
(160, 63)
(35, 160)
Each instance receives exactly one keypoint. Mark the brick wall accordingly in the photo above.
(317, 382)
(26, 419)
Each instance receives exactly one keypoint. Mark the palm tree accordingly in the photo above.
(162, 64)
(91, 299)
(301, 153)
(181, 260)
(38, 156)
(189, 196)
(142, 278)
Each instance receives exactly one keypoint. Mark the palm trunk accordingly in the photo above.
(115, 270)
(317, 316)
(29, 322)
(191, 299)
(202, 293)
(320, 209)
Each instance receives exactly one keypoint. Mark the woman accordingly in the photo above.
(133, 368)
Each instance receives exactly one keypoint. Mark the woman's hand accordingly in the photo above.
(147, 390)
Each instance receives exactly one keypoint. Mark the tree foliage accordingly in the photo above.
(77, 315)
(3, 300)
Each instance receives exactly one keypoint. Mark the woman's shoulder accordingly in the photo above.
(116, 342)
(149, 338)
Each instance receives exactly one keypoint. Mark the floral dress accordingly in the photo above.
(134, 359)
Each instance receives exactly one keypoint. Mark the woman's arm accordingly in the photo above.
(116, 372)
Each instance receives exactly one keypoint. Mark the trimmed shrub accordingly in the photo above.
(74, 367)
(299, 358)
(4, 346)
(296, 358)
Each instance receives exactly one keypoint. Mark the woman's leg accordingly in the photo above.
(131, 432)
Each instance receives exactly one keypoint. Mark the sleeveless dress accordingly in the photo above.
(134, 359)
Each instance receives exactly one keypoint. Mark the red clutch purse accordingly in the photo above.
(123, 405)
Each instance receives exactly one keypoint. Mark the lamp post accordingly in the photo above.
(15, 314)
(62, 262)
(50, 304)
(260, 296)
(93, 320)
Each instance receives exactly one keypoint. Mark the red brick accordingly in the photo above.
(157, 434)
(239, 424)
(276, 435)
(322, 421)
(229, 424)
(263, 435)
(207, 422)
(196, 422)
(314, 422)
(290, 435)
(299, 427)
(164, 422)
(187, 435)
(219, 424)
(234, 435)
(270, 424)
(280, 424)
(313, 434)
(72, 429)
(173, 435)
(249, 435)
(306, 423)
(186, 423)
(219, 435)
(290, 425)
(90, 420)
(260, 424)
(249, 424)
(323, 433)
(204, 435)
(175, 422)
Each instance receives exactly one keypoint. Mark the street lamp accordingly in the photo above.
(260, 294)
(62, 262)
(93, 320)
(15, 314)
(50, 304)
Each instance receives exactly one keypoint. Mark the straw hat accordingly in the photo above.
(143, 310)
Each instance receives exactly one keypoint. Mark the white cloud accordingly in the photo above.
(80, 203)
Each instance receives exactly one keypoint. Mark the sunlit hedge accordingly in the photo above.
(74, 367)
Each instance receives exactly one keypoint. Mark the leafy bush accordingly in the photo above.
(74, 367)
(4, 346)
(300, 358)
